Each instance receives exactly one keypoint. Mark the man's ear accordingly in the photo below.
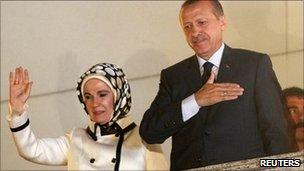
(223, 22)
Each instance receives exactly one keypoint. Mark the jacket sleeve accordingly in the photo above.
(272, 123)
(48, 151)
(164, 117)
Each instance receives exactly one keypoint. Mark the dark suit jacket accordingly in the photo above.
(251, 126)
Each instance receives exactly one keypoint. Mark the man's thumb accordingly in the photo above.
(211, 78)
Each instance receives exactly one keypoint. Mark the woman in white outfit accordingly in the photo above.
(110, 142)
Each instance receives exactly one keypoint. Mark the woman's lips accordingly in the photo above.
(99, 112)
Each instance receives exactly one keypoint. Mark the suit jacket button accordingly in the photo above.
(113, 160)
(92, 160)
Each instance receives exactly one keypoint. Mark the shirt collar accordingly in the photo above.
(215, 59)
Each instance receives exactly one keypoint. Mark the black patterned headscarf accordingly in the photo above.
(115, 78)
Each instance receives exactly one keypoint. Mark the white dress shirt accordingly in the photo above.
(189, 104)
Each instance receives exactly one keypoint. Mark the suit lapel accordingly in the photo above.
(227, 66)
(226, 72)
(194, 75)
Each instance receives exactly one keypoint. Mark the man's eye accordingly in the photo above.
(292, 111)
(187, 27)
(202, 22)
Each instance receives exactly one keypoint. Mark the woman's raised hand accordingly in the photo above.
(20, 89)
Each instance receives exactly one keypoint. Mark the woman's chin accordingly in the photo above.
(101, 117)
(100, 120)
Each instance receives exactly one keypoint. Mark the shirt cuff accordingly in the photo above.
(15, 121)
(189, 107)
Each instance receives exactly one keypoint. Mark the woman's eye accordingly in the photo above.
(102, 94)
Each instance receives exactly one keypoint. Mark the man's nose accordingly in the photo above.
(195, 31)
(301, 117)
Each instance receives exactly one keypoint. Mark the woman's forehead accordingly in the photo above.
(95, 83)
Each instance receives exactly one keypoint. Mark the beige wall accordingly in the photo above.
(59, 40)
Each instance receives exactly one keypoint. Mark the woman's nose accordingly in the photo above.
(96, 102)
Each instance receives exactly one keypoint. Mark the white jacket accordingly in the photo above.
(79, 151)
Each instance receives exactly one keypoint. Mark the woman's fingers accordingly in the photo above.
(20, 88)
(26, 76)
(19, 81)
(11, 78)
(16, 76)
(28, 90)
(20, 76)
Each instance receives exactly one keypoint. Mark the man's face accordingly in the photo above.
(295, 107)
(202, 28)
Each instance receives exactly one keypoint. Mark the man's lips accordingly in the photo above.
(300, 124)
(300, 129)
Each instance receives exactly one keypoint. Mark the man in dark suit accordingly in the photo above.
(236, 114)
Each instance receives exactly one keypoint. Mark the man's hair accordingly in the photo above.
(287, 92)
(293, 91)
(217, 7)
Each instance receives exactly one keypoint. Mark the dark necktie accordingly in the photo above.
(207, 71)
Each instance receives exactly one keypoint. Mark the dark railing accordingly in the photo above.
(288, 161)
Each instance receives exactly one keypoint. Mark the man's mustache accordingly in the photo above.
(300, 124)
(198, 38)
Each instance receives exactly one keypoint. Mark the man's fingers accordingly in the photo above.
(213, 93)
(226, 85)
(225, 89)
(226, 98)
(221, 94)
(227, 93)
(218, 98)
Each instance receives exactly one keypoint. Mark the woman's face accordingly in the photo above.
(99, 100)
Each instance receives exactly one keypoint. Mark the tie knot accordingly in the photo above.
(207, 67)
